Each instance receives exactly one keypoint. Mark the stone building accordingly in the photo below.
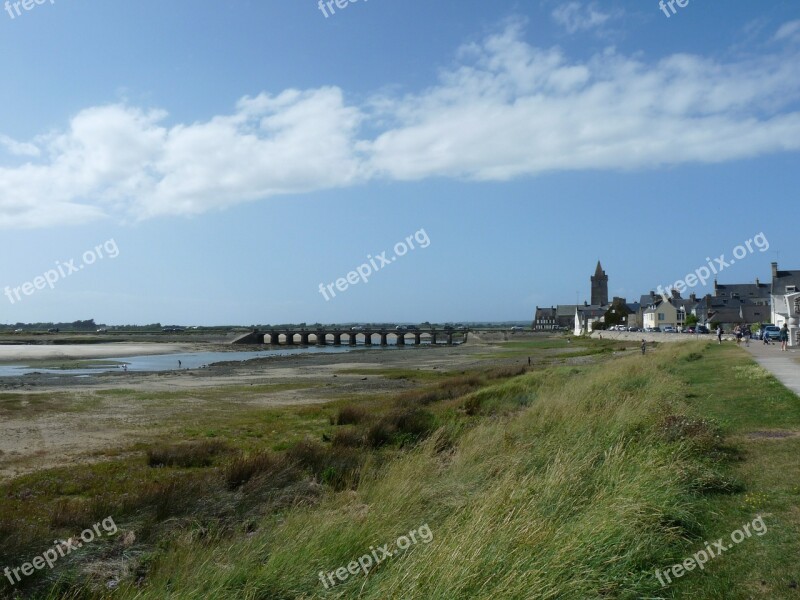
(599, 286)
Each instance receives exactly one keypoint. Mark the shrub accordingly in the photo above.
(351, 415)
(347, 438)
(504, 372)
(244, 467)
(308, 454)
(177, 496)
(191, 454)
(343, 468)
(454, 387)
(418, 423)
(339, 467)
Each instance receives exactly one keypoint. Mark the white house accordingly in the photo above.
(663, 313)
(785, 285)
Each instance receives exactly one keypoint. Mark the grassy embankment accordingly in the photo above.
(561, 483)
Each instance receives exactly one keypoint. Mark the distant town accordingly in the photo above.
(774, 302)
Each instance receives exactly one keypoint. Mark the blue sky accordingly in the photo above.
(239, 154)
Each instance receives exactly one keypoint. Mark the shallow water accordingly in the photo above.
(169, 362)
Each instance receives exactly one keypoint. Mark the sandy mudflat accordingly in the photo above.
(22, 354)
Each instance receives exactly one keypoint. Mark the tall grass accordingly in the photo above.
(581, 492)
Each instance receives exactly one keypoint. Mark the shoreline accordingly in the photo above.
(18, 354)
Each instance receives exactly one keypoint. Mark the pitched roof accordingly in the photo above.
(745, 313)
(648, 299)
(781, 279)
(592, 310)
(566, 310)
(743, 291)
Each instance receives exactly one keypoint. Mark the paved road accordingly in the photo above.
(784, 365)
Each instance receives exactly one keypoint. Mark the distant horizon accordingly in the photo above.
(344, 323)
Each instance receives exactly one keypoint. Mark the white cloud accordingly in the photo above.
(576, 16)
(120, 160)
(18, 148)
(790, 31)
(520, 110)
(507, 110)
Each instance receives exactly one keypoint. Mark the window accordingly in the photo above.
(661, 316)
(791, 289)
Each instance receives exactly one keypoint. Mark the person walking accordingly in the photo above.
(737, 331)
(719, 334)
(747, 335)
(644, 346)
(784, 337)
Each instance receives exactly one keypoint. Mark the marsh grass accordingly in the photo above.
(576, 486)
(558, 483)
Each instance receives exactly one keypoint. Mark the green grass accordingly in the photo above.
(572, 347)
(574, 497)
(212, 393)
(561, 481)
(393, 373)
(32, 405)
(727, 386)
(565, 482)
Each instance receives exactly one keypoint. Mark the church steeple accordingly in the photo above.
(599, 286)
(598, 272)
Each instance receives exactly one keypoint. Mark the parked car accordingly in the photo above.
(516, 328)
(670, 329)
(760, 332)
(653, 329)
(773, 331)
(702, 329)
(633, 329)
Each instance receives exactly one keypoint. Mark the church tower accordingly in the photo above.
(599, 286)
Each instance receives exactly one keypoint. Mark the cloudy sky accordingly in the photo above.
(241, 153)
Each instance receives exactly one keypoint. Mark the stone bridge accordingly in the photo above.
(335, 336)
